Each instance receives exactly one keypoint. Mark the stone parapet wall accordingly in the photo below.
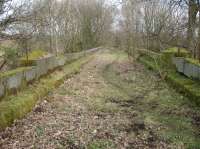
(14, 81)
(187, 68)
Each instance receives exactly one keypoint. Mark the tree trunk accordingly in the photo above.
(198, 50)
(3, 64)
(192, 13)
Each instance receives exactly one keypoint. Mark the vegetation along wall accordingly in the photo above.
(13, 80)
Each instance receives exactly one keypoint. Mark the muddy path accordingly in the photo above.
(110, 104)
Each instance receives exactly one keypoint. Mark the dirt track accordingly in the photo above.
(110, 104)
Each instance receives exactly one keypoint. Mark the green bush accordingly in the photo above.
(10, 53)
(35, 54)
(26, 63)
(32, 56)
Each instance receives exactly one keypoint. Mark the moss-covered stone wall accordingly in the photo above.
(185, 84)
(14, 107)
(14, 80)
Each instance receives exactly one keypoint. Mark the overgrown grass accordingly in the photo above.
(164, 110)
(32, 56)
(101, 144)
(193, 61)
(172, 112)
(174, 51)
(17, 106)
(179, 130)
(14, 71)
(184, 85)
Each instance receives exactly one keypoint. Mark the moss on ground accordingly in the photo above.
(13, 72)
(35, 54)
(15, 107)
(174, 51)
(32, 56)
(193, 61)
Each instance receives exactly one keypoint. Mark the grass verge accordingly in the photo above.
(13, 72)
(167, 114)
(190, 88)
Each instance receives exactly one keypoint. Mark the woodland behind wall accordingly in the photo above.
(158, 24)
(67, 25)
(74, 25)
(55, 26)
